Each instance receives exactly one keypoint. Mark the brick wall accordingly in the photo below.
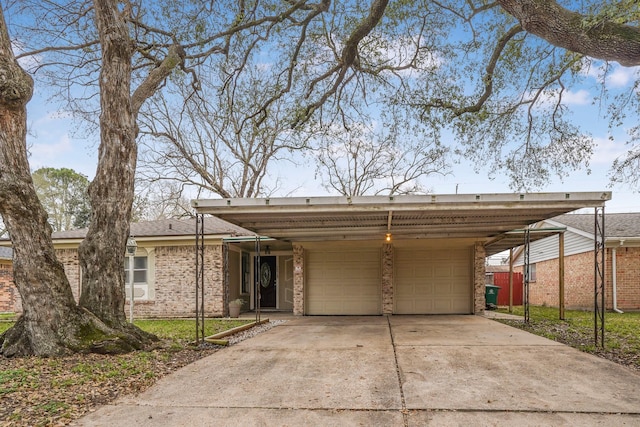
(9, 298)
(479, 272)
(298, 280)
(71, 263)
(174, 287)
(387, 279)
(628, 277)
(579, 281)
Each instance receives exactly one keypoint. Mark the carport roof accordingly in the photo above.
(481, 216)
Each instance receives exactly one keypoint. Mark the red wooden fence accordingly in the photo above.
(502, 280)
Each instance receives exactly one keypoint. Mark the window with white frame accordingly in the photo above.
(138, 269)
(532, 272)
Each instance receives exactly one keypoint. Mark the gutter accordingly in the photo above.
(614, 254)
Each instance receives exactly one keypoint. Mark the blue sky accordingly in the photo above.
(53, 143)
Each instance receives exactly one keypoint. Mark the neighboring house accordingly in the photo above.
(622, 262)
(164, 266)
(378, 255)
(8, 292)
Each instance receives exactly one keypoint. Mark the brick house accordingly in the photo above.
(163, 267)
(622, 262)
(8, 292)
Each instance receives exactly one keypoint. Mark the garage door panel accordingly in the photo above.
(343, 281)
(433, 281)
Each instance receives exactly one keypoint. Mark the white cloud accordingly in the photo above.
(569, 97)
(581, 97)
(616, 75)
(49, 154)
(607, 150)
(622, 76)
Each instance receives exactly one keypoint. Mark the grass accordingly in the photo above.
(185, 329)
(56, 390)
(622, 331)
(5, 325)
(174, 329)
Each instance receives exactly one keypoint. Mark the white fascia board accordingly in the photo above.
(411, 202)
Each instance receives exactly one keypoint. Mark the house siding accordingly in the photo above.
(547, 249)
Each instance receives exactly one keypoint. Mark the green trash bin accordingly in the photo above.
(491, 295)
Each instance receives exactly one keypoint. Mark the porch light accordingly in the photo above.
(267, 250)
(132, 245)
(388, 238)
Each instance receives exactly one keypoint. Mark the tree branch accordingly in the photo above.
(150, 85)
(561, 27)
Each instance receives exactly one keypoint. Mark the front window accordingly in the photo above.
(139, 271)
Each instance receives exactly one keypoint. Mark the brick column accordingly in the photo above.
(387, 278)
(478, 278)
(298, 280)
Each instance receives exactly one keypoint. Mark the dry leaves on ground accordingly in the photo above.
(55, 391)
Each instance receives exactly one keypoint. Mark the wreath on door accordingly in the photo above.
(265, 275)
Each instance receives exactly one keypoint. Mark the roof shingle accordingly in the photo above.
(615, 224)
(168, 227)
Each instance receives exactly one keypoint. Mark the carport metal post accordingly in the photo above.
(561, 274)
(199, 278)
(256, 292)
(225, 277)
(598, 283)
(527, 273)
(510, 280)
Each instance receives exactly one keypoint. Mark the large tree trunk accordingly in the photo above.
(51, 322)
(111, 191)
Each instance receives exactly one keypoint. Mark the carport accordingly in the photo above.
(377, 255)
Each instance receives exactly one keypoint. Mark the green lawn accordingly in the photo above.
(174, 329)
(622, 331)
(185, 329)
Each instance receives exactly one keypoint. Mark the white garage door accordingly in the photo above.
(343, 281)
(433, 281)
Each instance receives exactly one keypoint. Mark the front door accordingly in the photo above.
(267, 276)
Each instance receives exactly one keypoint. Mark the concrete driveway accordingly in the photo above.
(387, 371)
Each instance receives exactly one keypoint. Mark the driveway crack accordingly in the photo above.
(405, 417)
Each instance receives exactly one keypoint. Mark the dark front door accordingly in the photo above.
(267, 280)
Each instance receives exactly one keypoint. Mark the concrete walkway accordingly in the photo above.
(387, 371)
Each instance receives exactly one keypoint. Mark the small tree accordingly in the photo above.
(63, 193)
